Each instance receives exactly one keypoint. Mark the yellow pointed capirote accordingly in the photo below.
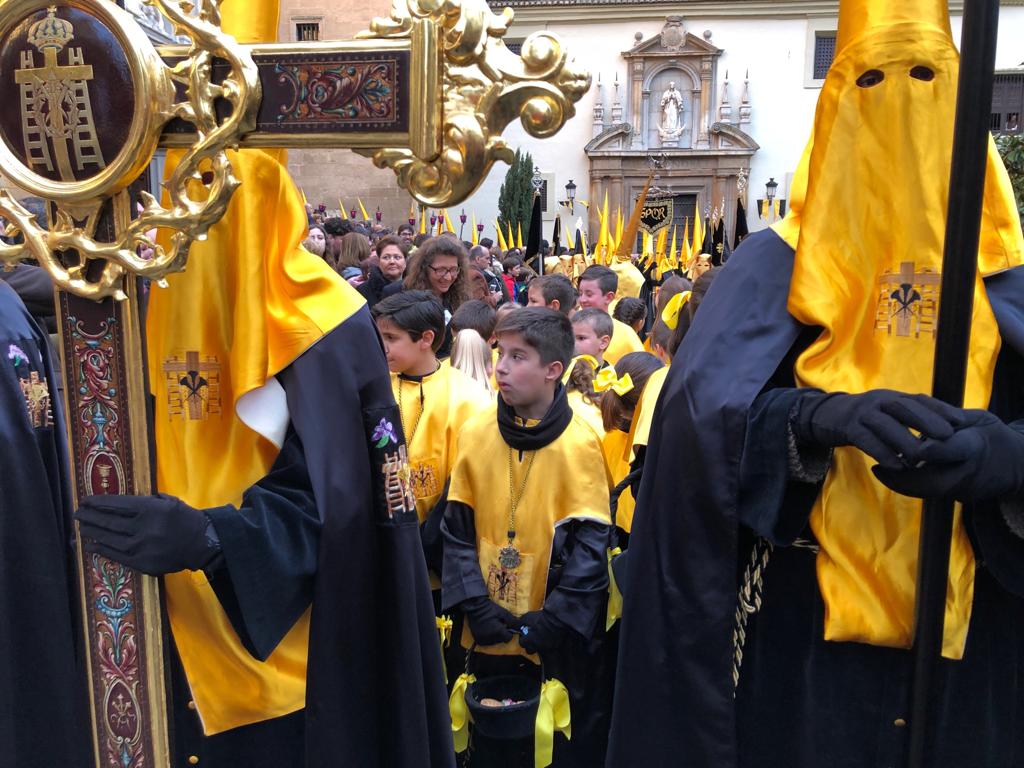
(882, 141)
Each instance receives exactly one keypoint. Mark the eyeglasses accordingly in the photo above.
(444, 271)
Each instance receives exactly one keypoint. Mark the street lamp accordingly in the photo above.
(766, 206)
(570, 195)
(538, 180)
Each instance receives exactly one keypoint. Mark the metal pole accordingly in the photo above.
(959, 265)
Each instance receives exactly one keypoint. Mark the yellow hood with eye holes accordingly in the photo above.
(867, 221)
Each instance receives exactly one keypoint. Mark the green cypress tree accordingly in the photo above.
(1011, 147)
(515, 201)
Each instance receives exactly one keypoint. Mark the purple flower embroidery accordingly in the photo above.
(384, 433)
(15, 353)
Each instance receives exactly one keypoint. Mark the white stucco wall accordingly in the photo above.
(774, 50)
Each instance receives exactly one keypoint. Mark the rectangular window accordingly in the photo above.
(544, 203)
(307, 31)
(1007, 102)
(824, 52)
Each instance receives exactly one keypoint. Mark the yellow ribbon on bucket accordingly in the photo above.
(444, 631)
(552, 715)
(614, 595)
(460, 712)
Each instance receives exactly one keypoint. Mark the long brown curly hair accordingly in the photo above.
(418, 278)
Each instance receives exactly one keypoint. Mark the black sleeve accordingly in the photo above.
(578, 582)
(430, 533)
(269, 547)
(461, 578)
(35, 288)
(771, 501)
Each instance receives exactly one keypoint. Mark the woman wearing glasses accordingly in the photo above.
(441, 266)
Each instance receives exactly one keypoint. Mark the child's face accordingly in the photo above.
(535, 296)
(523, 379)
(591, 296)
(588, 342)
(404, 355)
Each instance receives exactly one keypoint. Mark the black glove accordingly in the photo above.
(983, 459)
(877, 422)
(153, 534)
(540, 632)
(488, 621)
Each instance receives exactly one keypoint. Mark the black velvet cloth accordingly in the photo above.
(321, 529)
(35, 288)
(43, 711)
(717, 475)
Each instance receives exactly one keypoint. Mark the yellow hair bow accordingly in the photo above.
(670, 314)
(588, 359)
(606, 379)
(552, 715)
(459, 711)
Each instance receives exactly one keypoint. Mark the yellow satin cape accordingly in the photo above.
(867, 220)
(251, 301)
(568, 480)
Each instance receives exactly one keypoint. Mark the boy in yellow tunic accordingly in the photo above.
(526, 534)
(434, 400)
(597, 289)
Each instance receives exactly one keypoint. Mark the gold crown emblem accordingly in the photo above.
(51, 32)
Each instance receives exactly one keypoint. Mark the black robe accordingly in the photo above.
(716, 476)
(42, 685)
(316, 530)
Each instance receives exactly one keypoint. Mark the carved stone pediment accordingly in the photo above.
(673, 40)
(729, 136)
(614, 138)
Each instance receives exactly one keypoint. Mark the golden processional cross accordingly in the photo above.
(426, 92)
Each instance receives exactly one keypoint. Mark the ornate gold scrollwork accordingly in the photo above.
(485, 87)
(201, 186)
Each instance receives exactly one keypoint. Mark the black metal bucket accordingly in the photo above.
(512, 721)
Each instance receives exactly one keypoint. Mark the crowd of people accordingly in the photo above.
(495, 369)
(424, 503)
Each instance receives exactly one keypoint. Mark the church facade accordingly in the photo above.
(718, 95)
(746, 74)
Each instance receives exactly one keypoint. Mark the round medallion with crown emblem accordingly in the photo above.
(84, 90)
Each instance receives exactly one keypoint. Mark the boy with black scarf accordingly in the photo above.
(526, 534)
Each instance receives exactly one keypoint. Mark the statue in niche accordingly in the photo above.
(672, 125)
